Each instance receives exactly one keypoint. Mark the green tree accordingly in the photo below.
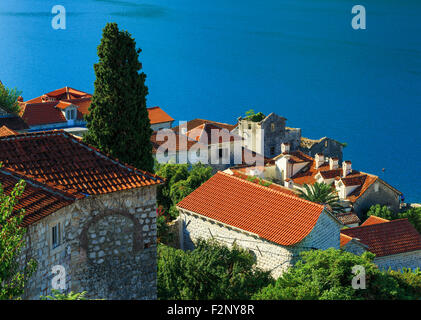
(9, 99)
(327, 275)
(13, 274)
(381, 212)
(255, 117)
(321, 193)
(413, 215)
(210, 271)
(180, 182)
(118, 122)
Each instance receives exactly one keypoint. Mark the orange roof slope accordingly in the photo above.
(197, 122)
(179, 144)
(37, 201)
(42, 113)
(58, 158)
(373, 220)
(5, 131)
(157, 115)
(387, 238)
(271, 214)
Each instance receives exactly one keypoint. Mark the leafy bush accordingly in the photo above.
(211, 271)
(255, 117)
(57, 295)
(327, 275)
(8, 99)
(413, 215)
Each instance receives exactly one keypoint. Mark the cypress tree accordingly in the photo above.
(118, 121)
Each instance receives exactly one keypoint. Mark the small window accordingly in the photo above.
(326, 144)
(249, 126)
(55, 236)
(272, 150)
(272, 127)
(221, 153)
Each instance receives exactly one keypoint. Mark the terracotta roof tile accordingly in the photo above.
(271, 214)
(42, 113)
(37, 200)
(387, 238)
(157, 115)
(5, 131)
(374, 220)
(348, 218)
(204, 134)
(198, 122)
(187, 145)
(56, 157)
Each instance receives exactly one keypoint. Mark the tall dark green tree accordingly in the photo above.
(118, 121)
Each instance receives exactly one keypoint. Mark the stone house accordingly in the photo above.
(329, 147)
(207, 143)
(272, 224)
(65, 109)
(396, 243)
(86, 212)
(265, 137)
(357, 190)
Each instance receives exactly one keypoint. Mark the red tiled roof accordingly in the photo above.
(204, 133)
(13, 122)
(307, 175)
(271, 214)
(62, 94)
(37, 200)
(197, 122)
(5, 131)
(348, 218)
(273, 186)
(344, 239)
(56, 157)
(157, 115)
(37, 112)
(387, 238)
(42, 113)
(373, 220)
(187, 145)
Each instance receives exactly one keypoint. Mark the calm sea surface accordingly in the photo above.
(216, 59)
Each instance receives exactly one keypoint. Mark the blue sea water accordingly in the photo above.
(216, 59)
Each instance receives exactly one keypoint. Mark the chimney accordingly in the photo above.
(333, 163)
(320, 159)
(285, 147)
(289, 184)
(346, 168)
(20, 99)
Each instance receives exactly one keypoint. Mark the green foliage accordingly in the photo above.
(410, 281)
(321, 193)
(57, 295)
(8, 99)
(413, 215)
(180, 182)
(255, 117)
(327, 275)
(211, 271)
(381, 212)
(118, 122)
(13, 275)
(258, 180)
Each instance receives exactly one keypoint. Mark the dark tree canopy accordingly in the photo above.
(118, 122)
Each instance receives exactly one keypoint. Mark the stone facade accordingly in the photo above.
(265, 137)
(329, 147)
(269, 255)
(107, 246)
(377, 193)
(410, 259)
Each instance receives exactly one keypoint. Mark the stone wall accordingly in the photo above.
(329, 147)
(270, 256)
(383, 196)
(108, 247)
(410, 259)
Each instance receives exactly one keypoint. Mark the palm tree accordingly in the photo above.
(322, 193)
